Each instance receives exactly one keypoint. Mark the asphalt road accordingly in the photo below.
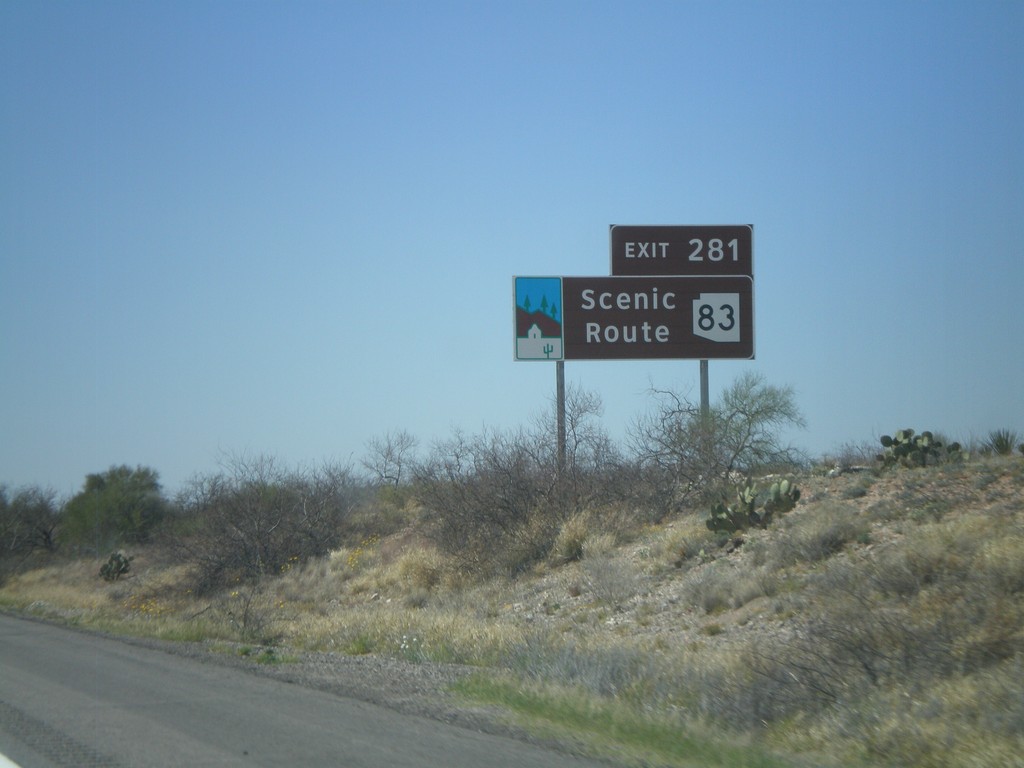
(71, 698)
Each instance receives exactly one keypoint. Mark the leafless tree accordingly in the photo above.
(28, 524)
(593, 463)
(684, 453)
(388, 457)
(28, 520)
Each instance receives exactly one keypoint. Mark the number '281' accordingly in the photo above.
(714, 249)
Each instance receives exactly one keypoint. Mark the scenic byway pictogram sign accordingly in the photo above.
(538, 302)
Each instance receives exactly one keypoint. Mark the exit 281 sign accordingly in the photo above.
(634, 318)
(726, 249)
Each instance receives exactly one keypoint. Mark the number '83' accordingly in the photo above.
(707, 317)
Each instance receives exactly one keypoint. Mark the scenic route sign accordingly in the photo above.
(709, 250)
(634, 318)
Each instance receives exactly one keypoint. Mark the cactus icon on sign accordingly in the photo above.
(716, 316)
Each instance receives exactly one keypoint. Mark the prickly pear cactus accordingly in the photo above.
(735, 517)
(907, 449)
(782, 497)
(117, 566)
(722, 519)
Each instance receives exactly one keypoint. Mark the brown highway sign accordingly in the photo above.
(666, 317)
(726, 249)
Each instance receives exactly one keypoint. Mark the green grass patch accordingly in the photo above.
(266, 656)
(610, 729)
(272, 657)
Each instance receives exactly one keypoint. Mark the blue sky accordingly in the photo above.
(288, 228)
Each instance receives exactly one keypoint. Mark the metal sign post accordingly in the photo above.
(560, 413)
(705, 402)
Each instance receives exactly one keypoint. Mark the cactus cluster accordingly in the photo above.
(905, 448)
(117, 566)
(781, 497)
(735, 517)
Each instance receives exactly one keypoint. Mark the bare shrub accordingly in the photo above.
(498, 501)
(389, 457)
(255, 519)
(711, 588)
(939, 726)
(252, 614)
(853, 648)
(849, 455)
(479, 492)
(593, 472)
(683, 454)
(28, 525)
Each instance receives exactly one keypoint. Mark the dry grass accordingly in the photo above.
(879, 623)
(610, 580)
(809, 539)
(681, 544)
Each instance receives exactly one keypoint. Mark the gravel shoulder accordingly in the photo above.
(418, 689)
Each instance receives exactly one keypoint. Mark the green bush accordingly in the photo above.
(119, 506)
